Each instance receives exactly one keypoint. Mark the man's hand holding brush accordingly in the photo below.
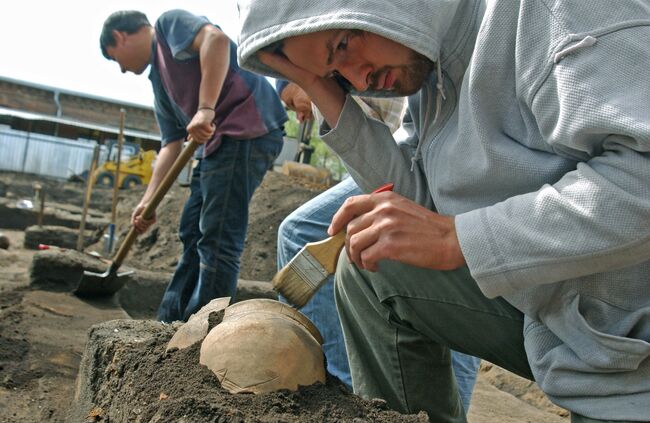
(299, 280)
(387, 226)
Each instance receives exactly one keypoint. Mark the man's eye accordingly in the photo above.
(343, 44)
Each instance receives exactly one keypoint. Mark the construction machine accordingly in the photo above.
(136, 166)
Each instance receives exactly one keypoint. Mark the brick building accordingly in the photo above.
(69, 114)
(50, 131)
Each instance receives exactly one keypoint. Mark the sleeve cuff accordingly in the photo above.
(480, 250)
(341, 138)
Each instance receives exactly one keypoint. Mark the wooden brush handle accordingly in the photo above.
(328, 250)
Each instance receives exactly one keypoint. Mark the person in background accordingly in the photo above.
(201, 93)
(310, 221)
(519, 227)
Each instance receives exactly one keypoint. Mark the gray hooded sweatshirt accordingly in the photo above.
(541, 151)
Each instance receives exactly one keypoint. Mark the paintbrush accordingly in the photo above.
(308, 270)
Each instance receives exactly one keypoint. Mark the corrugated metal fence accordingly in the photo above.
(44, 154)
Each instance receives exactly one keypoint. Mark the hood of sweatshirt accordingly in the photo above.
(419, 24)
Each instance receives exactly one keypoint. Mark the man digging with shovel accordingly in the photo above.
(201, 94)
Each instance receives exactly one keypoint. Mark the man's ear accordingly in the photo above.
(118, 36)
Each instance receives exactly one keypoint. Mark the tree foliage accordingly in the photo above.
(322, 156)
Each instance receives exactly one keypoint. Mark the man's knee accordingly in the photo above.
(286, 228)
(351, 285)
(189, 236)
(295, 226)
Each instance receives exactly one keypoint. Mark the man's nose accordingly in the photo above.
(357, 74)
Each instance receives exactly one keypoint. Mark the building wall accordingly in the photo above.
(22, 97)
(104, 113)
(44, 155)
(77, 107)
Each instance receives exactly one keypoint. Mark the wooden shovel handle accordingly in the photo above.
(157, 197)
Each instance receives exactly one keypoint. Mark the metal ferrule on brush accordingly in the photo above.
(308, 269)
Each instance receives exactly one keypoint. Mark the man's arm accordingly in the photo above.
(166, 157)
(366, 146)
(373, 158)
(595, 218)
(213, 47)
(326, 93)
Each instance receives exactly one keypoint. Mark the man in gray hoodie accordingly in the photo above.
(519, 229)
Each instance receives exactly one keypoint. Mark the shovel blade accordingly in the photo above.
(104, 284)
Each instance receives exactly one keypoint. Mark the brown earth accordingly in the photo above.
(43, 334)
(159, 249)
(131, 378)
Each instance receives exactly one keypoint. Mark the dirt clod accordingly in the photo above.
(4, 241)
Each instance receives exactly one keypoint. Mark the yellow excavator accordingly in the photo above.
(136, 167)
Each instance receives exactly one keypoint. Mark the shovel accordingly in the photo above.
(109, 282)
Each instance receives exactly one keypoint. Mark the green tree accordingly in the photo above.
(322, 156)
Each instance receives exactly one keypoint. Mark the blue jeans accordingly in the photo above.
(214, 222)
(309, 223)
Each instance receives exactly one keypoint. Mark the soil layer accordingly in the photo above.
(130, 378)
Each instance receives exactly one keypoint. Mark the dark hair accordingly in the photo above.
(129, 21)
(275, 47)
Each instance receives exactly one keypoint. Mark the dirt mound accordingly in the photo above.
(523, 389)
(160, 248)
(130, 378)
(20, 185)
(277, 196)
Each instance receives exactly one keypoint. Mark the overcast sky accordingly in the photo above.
(56, 42)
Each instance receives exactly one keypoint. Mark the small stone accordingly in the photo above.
(4, 241)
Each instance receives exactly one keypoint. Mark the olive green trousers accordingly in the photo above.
(400, 323)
